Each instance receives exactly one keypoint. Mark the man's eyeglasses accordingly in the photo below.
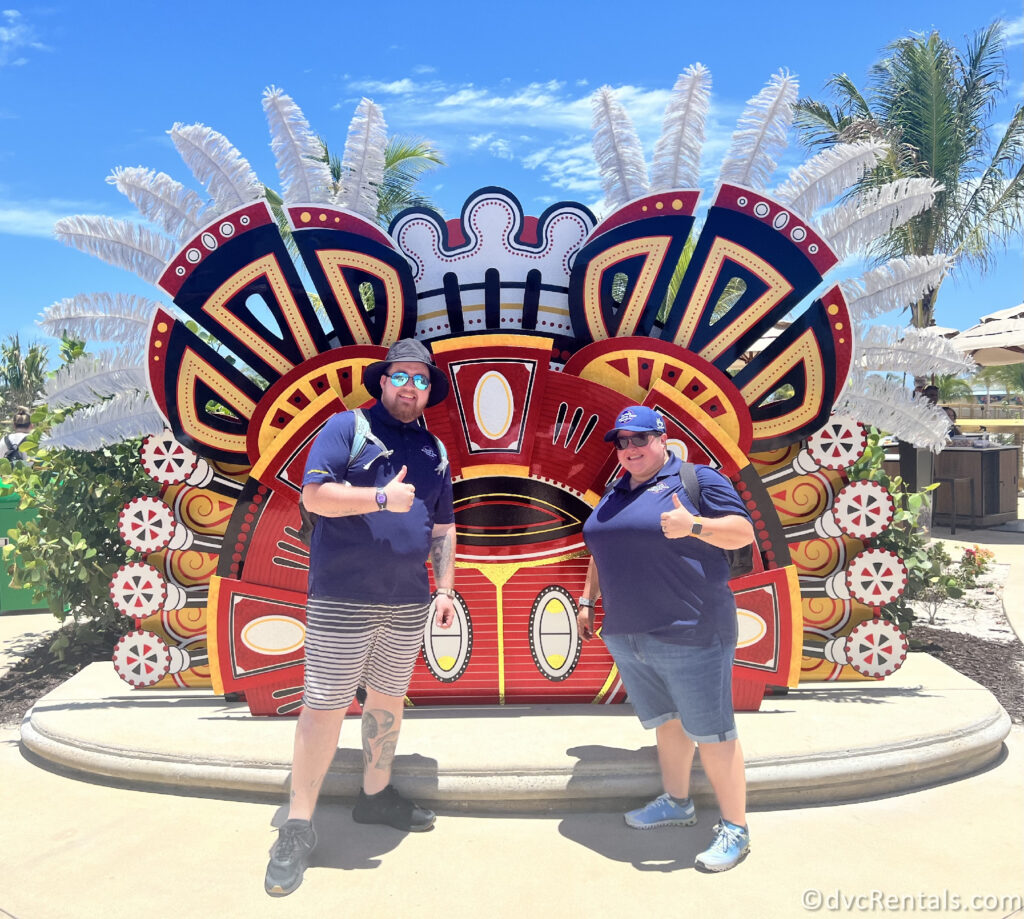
(399, 378)
(634, 440)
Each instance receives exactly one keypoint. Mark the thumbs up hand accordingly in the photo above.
(400, 493)
(678, 522)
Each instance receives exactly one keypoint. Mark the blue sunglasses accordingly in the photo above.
(399, 378)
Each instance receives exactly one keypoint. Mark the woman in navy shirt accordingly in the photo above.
(669, 622)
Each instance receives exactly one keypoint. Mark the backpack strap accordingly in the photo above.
(688, 475)
(364, 434)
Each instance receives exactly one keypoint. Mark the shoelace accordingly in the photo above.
(726, 838)
(287, 843)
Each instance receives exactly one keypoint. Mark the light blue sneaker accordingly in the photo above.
(730, 846)
(662, 811)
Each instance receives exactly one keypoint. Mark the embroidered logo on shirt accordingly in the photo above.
(430, 452)
(661, 486)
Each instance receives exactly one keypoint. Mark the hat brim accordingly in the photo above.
(374, 373)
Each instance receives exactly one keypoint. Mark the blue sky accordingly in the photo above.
(502, 89)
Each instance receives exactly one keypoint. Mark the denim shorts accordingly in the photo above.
(685, 682)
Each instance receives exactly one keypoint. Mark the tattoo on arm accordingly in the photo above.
(442, 551)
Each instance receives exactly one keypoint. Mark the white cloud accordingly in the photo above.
(1015, 33)
(16, 37)
(31, 218)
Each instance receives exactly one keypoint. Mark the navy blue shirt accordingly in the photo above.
(379, 557)
(676, 589)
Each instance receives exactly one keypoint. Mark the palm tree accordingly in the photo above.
(22, 376)
(952, 388)
(934, 105)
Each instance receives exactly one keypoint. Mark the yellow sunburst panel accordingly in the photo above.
(496, 340)
(305, 388)
(634, 372)
(283, 438)
(724, 444)
(773, 460)
(826, 614)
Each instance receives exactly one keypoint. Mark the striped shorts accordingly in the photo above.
(348, 644)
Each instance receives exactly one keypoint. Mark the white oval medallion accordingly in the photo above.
(493, 405)
(752, 628)
(273, 635)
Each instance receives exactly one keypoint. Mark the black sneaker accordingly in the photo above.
(389, 808)
(290, 857)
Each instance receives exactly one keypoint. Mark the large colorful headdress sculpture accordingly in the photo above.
(547, 326)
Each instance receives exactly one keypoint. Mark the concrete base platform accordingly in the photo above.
(821, 743)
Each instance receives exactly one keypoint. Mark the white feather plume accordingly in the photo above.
(98, 376)
(298, 153)
(854, 225)
(363, 160)
(161, 199)
(920, 352)
(218, 165)
(120, 242)
(825, 177)
(121, 318)
(890, 407)
(617, 150)
(129, 415)
(894, 285)
(677, 153)
(761, 133)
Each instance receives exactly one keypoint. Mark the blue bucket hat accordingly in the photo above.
(407, 349)
(637, 418)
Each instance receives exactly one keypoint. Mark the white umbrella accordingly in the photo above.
(998, 339)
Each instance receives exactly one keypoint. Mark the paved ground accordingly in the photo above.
(74, 848)
(70, 848)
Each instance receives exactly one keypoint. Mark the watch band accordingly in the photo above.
(382, 499)
(696, 528)
(586, 601)
(447, 591)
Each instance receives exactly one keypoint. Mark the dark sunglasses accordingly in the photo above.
(399, 378)
(634, 440)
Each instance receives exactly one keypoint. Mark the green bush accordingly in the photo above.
(69, 553)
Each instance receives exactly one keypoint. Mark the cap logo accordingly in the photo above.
(627, 416)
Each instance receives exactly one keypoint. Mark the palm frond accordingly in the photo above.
(888, 406)
(161, 199)
(894, 285)
(919, 352)
(761, 133)
(826, 176)
(124, 417)
(121, 318)
(362, 164)
(854, 225)
(298, 152)
(218, 165)
(94, 377)
(678, 151)
(617, 150)
(119, 242)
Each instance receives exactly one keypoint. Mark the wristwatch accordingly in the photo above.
(382, 499)
(696, 528)
(447, 591)
(586, 601)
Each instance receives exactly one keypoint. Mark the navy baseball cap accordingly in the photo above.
(637, 418)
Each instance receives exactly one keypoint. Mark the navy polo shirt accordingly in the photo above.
(676, 589)
(379, 557)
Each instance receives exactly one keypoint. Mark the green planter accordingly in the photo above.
(13, 599)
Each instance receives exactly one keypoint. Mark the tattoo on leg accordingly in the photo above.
(386, 747)
(379, 740)
(377, 721)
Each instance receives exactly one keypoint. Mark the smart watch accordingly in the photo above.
(696, 528)
(586, 601)
(382, 499)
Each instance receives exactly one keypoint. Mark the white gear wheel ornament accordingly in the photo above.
(876, 577)
(142, 658)
(876, 648)
(138, 590)
(864, 509)
(839, 444)
(165, 460)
